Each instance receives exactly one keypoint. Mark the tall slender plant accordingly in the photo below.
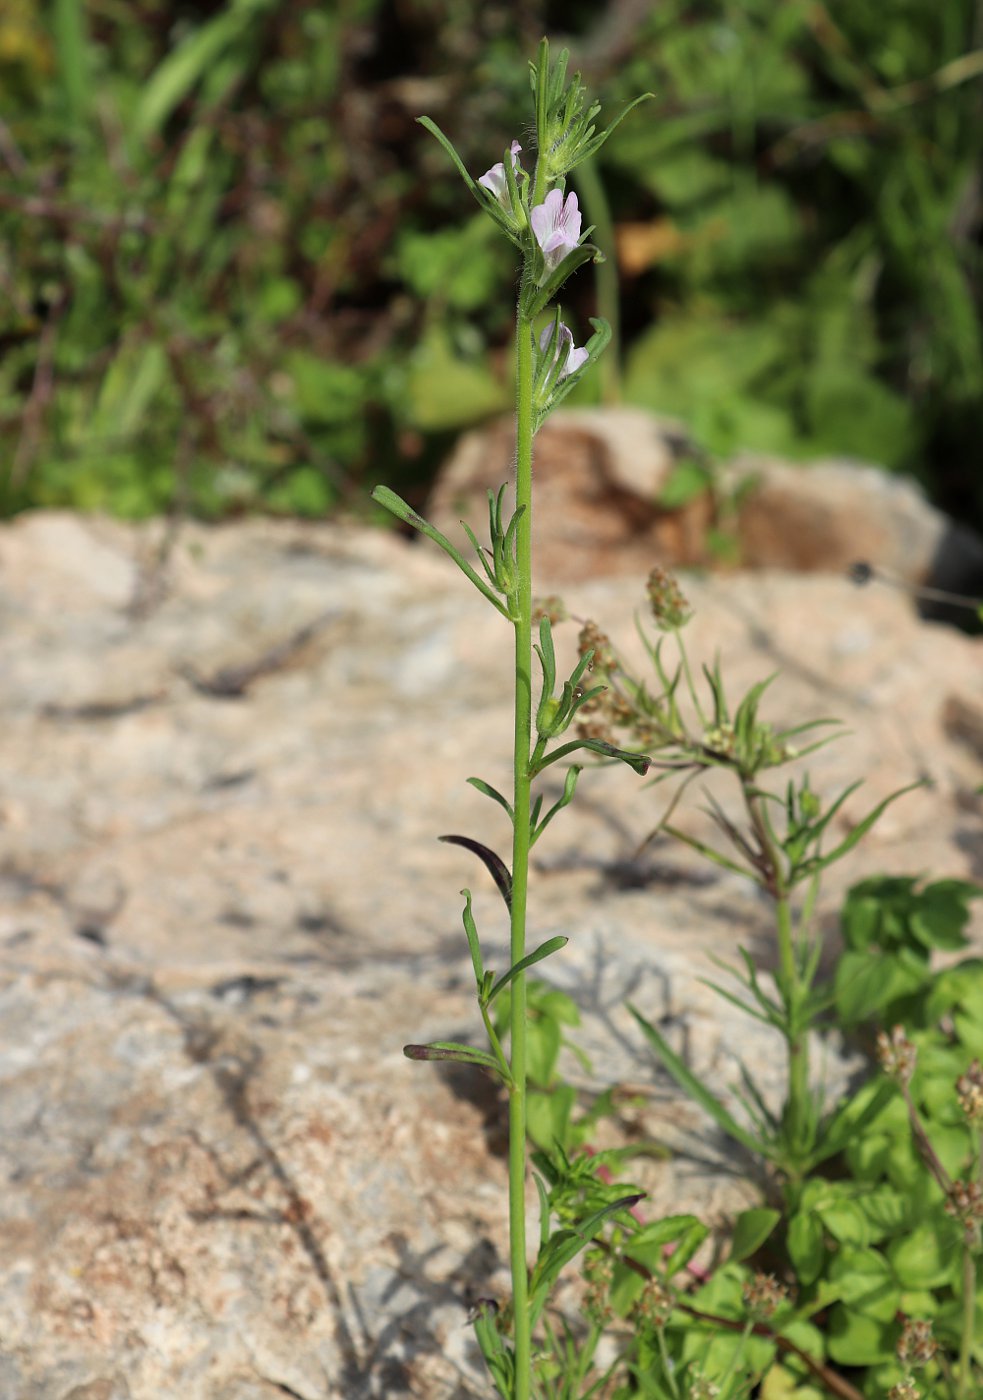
(543, 221)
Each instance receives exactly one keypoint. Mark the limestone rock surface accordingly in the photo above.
(601, 475)
(224, 911)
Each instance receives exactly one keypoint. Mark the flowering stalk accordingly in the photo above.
(544, 223)
(521, 841)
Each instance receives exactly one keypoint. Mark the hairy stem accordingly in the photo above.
(520, 855)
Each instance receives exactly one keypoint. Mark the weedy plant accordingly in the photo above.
(875, 1210)
(543, 221)
(859, 1274)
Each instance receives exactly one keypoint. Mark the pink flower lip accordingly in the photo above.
(494, 179)
(572, 356)
(556, 224)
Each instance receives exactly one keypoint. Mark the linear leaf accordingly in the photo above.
(471, 930)
(566, 1245)
(493, 863)
(441, 1050)
(552, 945)
(696, 1089)
(493, 793)
(389, 500)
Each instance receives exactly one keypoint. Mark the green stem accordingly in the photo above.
(790, 985)
(969, 1317)
(520, 855)
(667, 1365)
(797, 1106)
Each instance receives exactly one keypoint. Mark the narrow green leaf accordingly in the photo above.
(547, 654)
(641, 763)
(487, 201)
(542, 296)
(389, 500)
(569, 788)
(488, 791)
(440, 1050)
(472, 935)
(849, 1122)
(709, 851)
(860, 830)
(176, 76)
(564, 1246)
(739, 1003)
(68, 24)
(595, 145)
(482, 557)
(696, 1089)
(552, 945)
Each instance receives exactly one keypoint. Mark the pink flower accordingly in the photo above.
(494, 180)
(556, 224)
(565, 349)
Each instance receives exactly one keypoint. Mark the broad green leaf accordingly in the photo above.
(865, 982)
(548, 1116)
(448, 390)
(926, 1257)
(855, 1339)
(866, 1282)
(543, 1041)
(845, 1221)
(751, 1229)
(805, 1246)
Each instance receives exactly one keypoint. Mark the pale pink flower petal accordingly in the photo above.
(556, 224)
(572, 356)
(494, 179)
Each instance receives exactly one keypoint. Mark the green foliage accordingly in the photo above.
(874, 1222)
(231, 281)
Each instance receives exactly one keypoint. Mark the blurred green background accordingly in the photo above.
(236, 275)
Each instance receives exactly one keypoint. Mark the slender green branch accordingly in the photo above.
(522, 837)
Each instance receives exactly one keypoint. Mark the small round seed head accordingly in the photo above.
(598, 1273)
(551, 607)
(656, 1302)
(669, 607)
(904, 1390)
(896, 1055)
(702, 1389)
(593, 639)
(916, 1345)
(762, 1296)
(969, 1092)
(964, 1202)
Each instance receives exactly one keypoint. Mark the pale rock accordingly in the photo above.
(825, 516)
(224, 916)
(600, 474)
